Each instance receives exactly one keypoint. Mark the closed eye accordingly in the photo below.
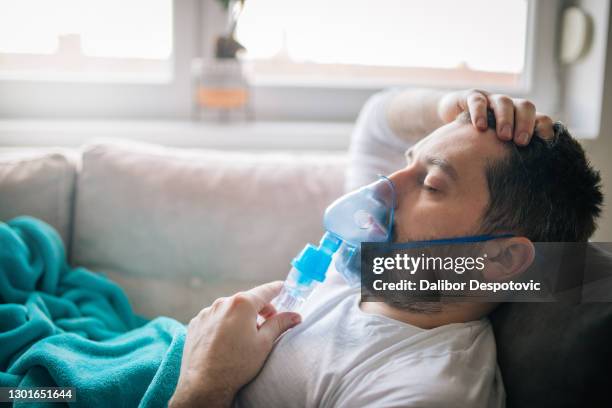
(431, 183)
(422, 180)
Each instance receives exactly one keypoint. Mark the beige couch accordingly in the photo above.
(175, 227)
(178, 228)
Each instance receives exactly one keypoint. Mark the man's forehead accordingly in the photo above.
(458, 141)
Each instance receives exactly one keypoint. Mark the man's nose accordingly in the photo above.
(401, 180)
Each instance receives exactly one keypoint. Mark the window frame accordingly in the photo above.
(28, 98)
(541, 81)
(195, 22)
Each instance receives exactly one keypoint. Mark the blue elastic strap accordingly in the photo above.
(442, 241)
(394, 203)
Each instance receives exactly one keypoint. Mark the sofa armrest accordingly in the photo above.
(39, 183)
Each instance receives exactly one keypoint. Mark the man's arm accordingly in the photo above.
(413, 114)
(375, 148)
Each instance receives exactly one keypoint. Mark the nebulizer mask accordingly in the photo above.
(364, 215)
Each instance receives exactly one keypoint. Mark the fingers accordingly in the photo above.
(503, 107)
(267, 291)
(544, 126)
(524, 121)
(477, 106)
(262, 295)
(516, 119)
(267, 311)
(519, 114)
(272, 328)
(243, 304)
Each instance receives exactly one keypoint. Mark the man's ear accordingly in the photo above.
(507, 258)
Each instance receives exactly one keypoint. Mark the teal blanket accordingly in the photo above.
(69, 327)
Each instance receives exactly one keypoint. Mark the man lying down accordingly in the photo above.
(458, 171)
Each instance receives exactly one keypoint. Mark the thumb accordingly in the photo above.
(278, 324)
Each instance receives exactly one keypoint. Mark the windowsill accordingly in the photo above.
(255, 135)
(89, 78)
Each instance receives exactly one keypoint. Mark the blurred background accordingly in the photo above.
(287, 74)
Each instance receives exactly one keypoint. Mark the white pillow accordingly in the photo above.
(39, 183)
(151, 211)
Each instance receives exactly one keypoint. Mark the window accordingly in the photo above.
(386, 42)
(315, 60)
(87, 40)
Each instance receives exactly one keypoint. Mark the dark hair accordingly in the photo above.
(546, 191)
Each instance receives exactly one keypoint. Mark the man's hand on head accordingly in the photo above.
(516, 118)
(225, 347)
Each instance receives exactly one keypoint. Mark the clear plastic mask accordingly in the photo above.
(364, 215)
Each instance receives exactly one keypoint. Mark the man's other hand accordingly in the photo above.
(516, 118)
(225, 347)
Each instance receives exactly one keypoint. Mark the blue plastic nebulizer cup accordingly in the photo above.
(364, 215)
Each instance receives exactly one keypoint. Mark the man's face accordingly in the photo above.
(442, 192)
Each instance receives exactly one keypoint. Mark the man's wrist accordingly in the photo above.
(207, 395)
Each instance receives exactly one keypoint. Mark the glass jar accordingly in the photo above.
(221, 90)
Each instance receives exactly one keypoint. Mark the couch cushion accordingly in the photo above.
(150, 211)
(40, 183)
(177, 298)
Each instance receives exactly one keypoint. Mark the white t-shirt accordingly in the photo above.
(340, 356)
